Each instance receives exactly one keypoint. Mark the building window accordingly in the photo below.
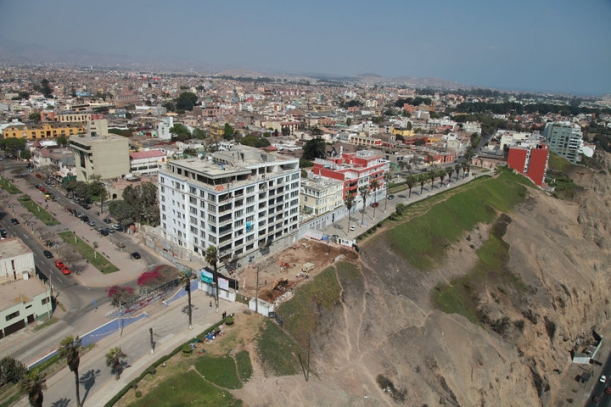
(12, 316)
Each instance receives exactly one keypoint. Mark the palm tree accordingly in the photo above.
(349, 202)
(185, 278)
(441, 174)
(374, 185)
(114, 359)
(387, 178)
(457, 169)
(212, 257)
(33, 384)
(410, 181)
(422, 179)
(465, 168)
(69, 349)
(432, 174)
(364, 192)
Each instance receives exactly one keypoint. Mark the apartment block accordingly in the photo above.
(239, 201)
(106, 156)
(529, 161)
(320, 195)
(564, 139)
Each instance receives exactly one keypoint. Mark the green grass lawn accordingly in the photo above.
(220, 370)
(187, 389)
(423, 240)
(300, 314)
(242, 360)
(278, 350)
(95, 258)
(9, 187)
(39, 212)
(560, 164)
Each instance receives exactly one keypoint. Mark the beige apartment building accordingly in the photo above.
(320, 195)
(106, 156)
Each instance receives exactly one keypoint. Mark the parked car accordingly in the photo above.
(108, 221)
(38, 175)
(603, 379)
(391, 197)
(85, 219)
(66, 271)
(14, 221)
(86, 206)
(91, 223)
(104, 232)
(608, 390)
(136, 255)
(48, 254)
(42, 189)
(352, 228)
(375, 204)
(59, 264)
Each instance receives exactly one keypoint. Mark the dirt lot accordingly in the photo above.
(270, 270)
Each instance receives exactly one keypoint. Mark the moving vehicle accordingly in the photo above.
(66, 271)
(603, 379)
(136, 255)
(48, 254)
(14, 221)
(108, 221)
(59, 264)
(391, 197)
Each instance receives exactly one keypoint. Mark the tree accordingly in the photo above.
(11, 370)
(12, 145)
(212, 257)
(228, 132)
(422, 178)
(45, 88)
(364, 191)
(409, 181)
(198, 134)
(180, 132)
(387, 178)
(441, 174)
(349, 202)
(69, 349)
(457, 169)
(465, 169)
(185, 278)
(62, 140)
(33, 384)
(186, 101)
(348, 121)
(114, 360)
(35, 117)
(190, 152)
(118, 295)
(374, 185)
(314, 148)
(25, 154)
(432, 175)
(286, 131)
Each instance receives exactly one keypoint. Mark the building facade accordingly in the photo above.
(320, 195)
(239, 201)
(106, 156)
(564, 139)
(146, 162)
(45, 130)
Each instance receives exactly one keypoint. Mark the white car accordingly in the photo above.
(352, 228)
(603, 379)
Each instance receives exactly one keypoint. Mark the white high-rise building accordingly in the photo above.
(239, 201)
(564, 139)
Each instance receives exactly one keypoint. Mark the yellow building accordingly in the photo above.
(320, 195)
(43, 130)
(402, 132)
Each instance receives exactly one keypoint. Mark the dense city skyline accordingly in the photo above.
(545, 46)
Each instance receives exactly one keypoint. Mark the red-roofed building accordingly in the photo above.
(531, 162)
(146, 162)
(355, 170)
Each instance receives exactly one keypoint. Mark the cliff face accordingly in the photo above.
(386, 330)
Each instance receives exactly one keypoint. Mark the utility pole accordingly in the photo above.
(257, 292)
(51, 297)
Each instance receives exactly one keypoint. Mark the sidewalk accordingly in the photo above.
(170, 330)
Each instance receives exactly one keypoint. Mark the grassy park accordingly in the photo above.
(96, 259)
(37, 211)
(9, 187)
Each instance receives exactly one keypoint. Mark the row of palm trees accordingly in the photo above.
(411, 180)
(34, 383)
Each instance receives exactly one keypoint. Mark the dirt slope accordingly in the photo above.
(386, 325)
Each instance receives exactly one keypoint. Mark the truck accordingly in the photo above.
(307, 267)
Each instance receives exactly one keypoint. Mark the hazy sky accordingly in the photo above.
(543, 45)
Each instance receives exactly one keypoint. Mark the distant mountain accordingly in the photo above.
(369, 75)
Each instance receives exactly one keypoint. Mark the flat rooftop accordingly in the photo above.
(13, 247)
(18, 291)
